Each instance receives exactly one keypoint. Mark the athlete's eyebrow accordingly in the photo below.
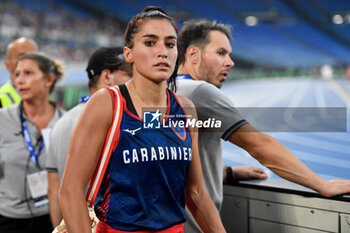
(171, 37)
(155, 36)
(150, 35)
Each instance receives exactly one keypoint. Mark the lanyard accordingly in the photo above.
(33, 156)
(84, 98)
(184, 76)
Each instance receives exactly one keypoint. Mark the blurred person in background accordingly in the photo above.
(23, 178)
(17, 48)
(204, 63)
(104, 69)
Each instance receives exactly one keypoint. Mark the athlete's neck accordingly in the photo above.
(150, 93)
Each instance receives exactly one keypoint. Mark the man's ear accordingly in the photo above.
(8, 65)
(128, 54)
(193, 54)
(105, 77)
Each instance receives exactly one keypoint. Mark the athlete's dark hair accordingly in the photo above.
(150, 12)
(46, 64)
(197, 33)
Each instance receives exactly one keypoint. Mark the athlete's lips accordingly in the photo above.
(162, 64)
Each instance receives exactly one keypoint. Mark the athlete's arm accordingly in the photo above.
(53, 186)
(197, 198)
(86, 144)
(272, 154)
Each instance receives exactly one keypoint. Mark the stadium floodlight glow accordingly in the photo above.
(338, 19)
(251, 21)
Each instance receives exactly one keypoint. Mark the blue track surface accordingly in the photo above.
(326, 153)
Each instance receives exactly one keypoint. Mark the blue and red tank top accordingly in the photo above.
(145, 182)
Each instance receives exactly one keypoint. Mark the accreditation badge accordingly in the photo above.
(38, 185)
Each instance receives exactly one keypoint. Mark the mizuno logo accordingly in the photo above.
(131, 131)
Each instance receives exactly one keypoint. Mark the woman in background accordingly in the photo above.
(23, 179)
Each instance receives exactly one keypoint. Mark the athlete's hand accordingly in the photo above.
(248, 172)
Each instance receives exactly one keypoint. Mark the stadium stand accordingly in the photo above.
(283, 37)
(61, 29)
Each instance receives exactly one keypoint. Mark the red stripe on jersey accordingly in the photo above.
(112, 136)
